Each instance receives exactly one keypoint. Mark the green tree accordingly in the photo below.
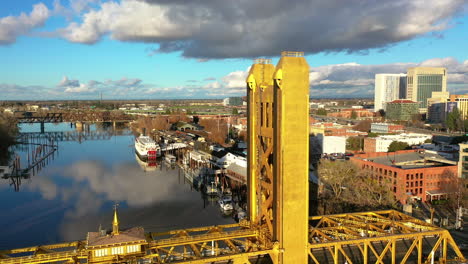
(372, 134)
(353, 114)
(354, 143)
(8, 132)
(397, 145)
(322, 111)
(454, 120)
(235, 111)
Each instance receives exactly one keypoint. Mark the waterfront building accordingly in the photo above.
(386, 128)
(422, 81)
(381, 143)
(461, 101)
(388, 87)
(401, 110)
(107, 247)
(416, 174)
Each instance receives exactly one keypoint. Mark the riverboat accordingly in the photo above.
(146, 147)
(146, 164)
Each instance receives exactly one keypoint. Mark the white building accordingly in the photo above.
(230, 158)
(331, 144)
(383, 142)
(388, 87)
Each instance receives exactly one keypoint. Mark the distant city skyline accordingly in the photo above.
(156, 49)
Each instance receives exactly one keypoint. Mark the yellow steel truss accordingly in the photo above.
(278, 223)
(379, 237)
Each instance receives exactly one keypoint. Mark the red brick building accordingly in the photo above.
(347, 113)
(410, 173)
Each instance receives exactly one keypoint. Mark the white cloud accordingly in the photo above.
(83, 88)
(212, 85)
(214, 29)
(358, 80)
(65, 82)
(235, 79)
(13, 26)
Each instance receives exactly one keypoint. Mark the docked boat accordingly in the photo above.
(146, 147)
(171, 159)
(211, 189)
(225, 204)
(146, 164)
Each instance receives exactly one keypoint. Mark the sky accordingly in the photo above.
(178, 49)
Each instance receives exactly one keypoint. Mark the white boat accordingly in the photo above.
(171, 159)
(225, 204)
(146, 147)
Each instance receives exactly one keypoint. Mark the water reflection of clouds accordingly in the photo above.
(92, 184)
(156, 200)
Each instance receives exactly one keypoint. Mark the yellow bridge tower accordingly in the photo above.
(278, 123)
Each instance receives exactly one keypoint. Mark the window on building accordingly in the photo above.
(133, 248)
(117, 250)
(100, 252)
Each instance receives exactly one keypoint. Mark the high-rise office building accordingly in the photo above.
(401, 110)
(422, 81)
(388, 87)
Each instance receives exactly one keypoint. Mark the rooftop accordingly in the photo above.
(409, 160)
(402, 102)
(135, 234)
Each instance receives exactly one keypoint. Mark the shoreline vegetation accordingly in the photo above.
(8, 132)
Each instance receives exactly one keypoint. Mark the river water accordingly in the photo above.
(75, 192)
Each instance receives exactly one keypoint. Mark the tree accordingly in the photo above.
(372, 134)
(335, 176)
(235, 111)
(454, 120)
(454, 186)
(345, 188)
(428, 140)
(322, 111)
(8, 132)
(354, 143)
(217, 129)
(363, 126)
(397, 145)
(353, 114)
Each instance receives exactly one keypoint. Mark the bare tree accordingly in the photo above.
(217, 129)
(345, 188)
